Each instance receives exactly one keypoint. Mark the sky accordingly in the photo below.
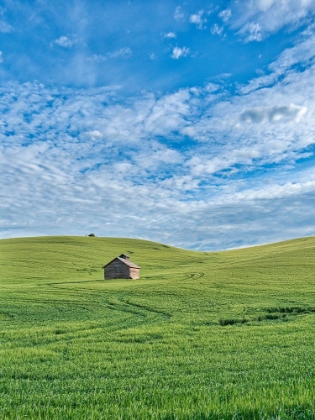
(190, 123)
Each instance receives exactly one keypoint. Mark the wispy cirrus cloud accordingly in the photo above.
(257, 20)
(5, 27)
(97, 58)
(122, 52)
(302, 54)
(179, 14)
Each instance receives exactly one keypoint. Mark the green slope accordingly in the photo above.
(82, 258)
(199, 336)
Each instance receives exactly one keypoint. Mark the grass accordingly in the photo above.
(200, 336)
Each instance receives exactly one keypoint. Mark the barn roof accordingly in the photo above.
(125, 261)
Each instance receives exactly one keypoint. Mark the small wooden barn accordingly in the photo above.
(121, 268)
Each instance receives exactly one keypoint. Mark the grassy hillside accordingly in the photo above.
(199, 336)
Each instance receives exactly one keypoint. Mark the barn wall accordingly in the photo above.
(116, 270)
(134, 273)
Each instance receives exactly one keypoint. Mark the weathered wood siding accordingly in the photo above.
(118, 270)
(134, 273)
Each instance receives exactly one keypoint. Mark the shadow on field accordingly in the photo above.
(283, 314)
(294, 412)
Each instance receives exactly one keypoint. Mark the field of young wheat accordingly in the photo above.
(226, 335)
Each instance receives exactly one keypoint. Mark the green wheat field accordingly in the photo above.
(226, 335)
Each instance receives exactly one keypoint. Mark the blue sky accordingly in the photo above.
(189, 123)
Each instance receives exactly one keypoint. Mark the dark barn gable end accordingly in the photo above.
(121, 268)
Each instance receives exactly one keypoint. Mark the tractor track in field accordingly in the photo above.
(146, 308)
(121, 302)
(194, 275)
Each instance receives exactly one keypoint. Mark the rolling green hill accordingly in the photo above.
(227, 335)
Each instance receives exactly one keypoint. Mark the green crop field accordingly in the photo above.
(227, 335)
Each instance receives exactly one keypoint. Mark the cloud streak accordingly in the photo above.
(257, 20)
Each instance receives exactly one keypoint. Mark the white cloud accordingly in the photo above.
(258, 83)
(211, 87)
(95, 134)
(225, 15)
(97, 58)
(275, 114)
(255, 20)
(64, 41)
(198, 19)
(303, 53)
(254, 32)
(179, 14)
(1, 57)
(170, 35)
(216, 29)
(180, 52)
(264, 5)
(167, 113)
(122, 52)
